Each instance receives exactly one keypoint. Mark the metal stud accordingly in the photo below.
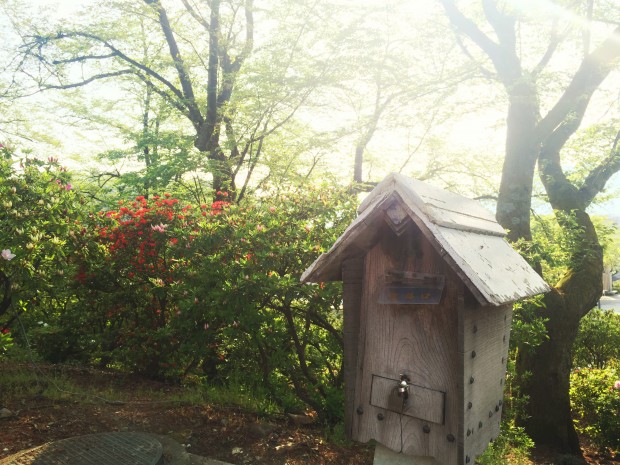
(450, 437)
(468, 432)
(467, 459)
(471, 380)
(479, 424)
(360, 411)
(380, 417)
(497, 408)
(473, 354)
(469, 405)
(490, 413)
(475, 329)
(426, 429)
(501, 402)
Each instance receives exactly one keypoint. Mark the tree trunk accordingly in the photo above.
(514, 201)
(547, 416)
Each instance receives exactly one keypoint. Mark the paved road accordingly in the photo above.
(610, 301)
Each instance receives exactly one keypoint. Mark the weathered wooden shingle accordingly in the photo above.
(464, 232)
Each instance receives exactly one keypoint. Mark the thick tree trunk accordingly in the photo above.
(548, 413)
(530, 137)
(515, 192)
(547, 416)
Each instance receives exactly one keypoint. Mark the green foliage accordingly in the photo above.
(528, 327)
(214, 291)
(595, 398)
(512, 447)
(40, 230)
(598, 342)
(262, 325)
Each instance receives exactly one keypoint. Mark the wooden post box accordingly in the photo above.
(428, 285)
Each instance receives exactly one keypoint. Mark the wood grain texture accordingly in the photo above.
(484, 354)
(420, 341)
(352, 275)
(421, 402)
(461, 231)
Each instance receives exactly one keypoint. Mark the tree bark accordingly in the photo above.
(529, 139)
(514, 200)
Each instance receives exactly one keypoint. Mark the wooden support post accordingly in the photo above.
(352, 274)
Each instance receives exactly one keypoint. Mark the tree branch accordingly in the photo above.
(42, 40)
(89, 80)
(466, 26)
(556, 39)
(503, 25)
(199, 18)
(593, 70)
(83, 58)
(598, 177)
(184, 78)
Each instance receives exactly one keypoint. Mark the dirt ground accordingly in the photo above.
(227, 434)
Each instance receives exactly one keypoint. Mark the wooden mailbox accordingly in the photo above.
(428, 286)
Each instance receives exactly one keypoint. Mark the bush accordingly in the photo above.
(595, 397)
(40, 230)
(262, 324)
(598, 341)
(214, 291)
(512, 447)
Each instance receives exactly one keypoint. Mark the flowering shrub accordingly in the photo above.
(40, 228)
(165, 288)
(595, 398)
(214, 290)
(132, 290)
(264, 327)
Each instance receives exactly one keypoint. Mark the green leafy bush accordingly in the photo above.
(598, 341)
(512, 447)
(214, 291)
(595, 397)
(260, 323)
(40, 230)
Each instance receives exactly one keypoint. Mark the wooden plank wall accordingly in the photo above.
(484, 339)
(352, 274)
(420, 341)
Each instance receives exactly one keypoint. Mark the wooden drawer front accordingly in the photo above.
(423, 403)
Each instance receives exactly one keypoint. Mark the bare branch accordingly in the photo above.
(198, 17)
(96, 77)
(556, 39)
(62, 35)
(83, 58)
(503, 25)
(468, 27)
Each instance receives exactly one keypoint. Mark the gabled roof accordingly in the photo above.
(464, 233)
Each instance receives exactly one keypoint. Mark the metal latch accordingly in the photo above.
(403, 388)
